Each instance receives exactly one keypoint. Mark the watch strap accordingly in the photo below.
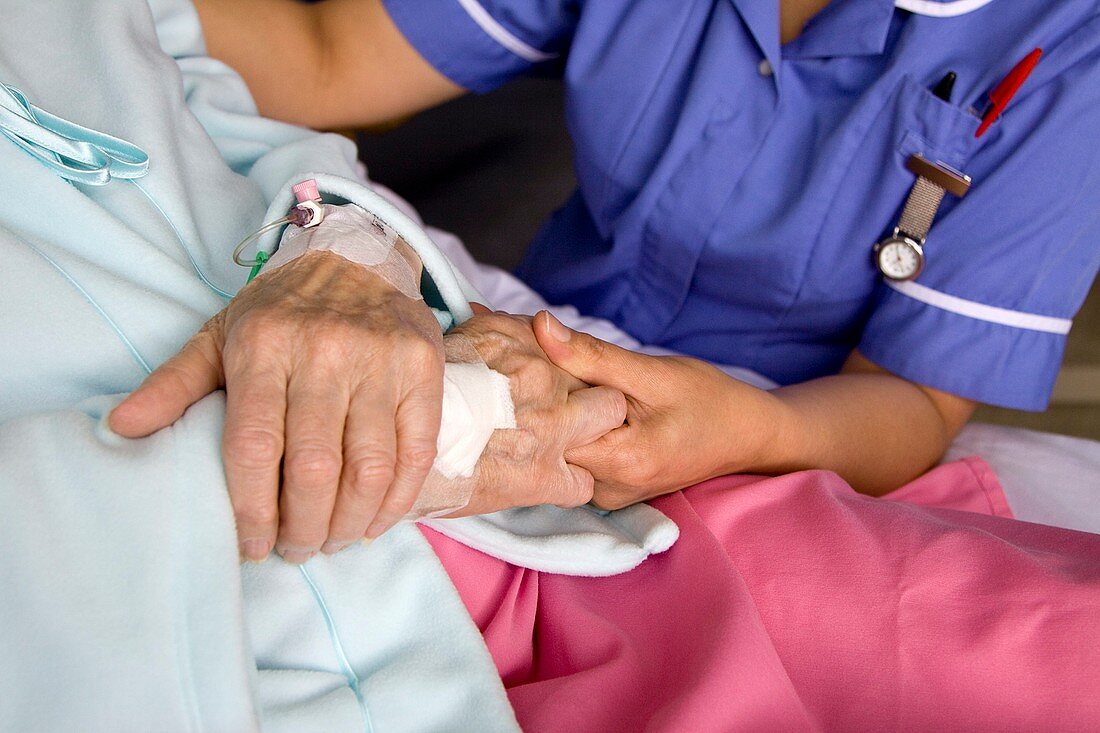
(920, 209)
(933, 181)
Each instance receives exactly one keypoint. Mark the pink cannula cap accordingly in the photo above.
(306, 191)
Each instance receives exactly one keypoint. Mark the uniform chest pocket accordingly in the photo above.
(928, 125)
(876, 183)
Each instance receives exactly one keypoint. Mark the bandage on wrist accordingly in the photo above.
(477, 401)
(356, 235)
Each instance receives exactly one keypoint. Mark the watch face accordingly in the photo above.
(900, 259)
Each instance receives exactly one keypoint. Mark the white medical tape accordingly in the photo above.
(356, 235)
(454, 288)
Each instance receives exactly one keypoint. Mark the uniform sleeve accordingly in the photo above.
(1009, 265)
(480, 44)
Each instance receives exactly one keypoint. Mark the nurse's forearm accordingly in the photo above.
(334, 64)
(877, 430)
(688, 422)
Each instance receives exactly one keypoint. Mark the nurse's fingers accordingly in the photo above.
(252, 449)
(588, 358)
(175, 385)
(592, 413)
(370, 447)
(316, 407)
(417, 428)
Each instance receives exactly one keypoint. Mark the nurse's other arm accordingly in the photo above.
(688, 422)
(874, 428)
(334, 64)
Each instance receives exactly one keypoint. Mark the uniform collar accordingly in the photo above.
(844, 28)
(762, 19)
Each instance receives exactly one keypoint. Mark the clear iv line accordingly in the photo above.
(252, 238)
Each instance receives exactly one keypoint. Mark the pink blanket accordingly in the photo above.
(794, 603)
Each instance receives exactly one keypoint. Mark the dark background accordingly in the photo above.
(489, 168)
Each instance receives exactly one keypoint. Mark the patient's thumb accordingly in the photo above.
(576, 488)
(594, 412)
(166, 394)
(585, 357)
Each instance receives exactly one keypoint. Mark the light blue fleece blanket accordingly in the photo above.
(124, 607)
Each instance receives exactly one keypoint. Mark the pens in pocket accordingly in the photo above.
(1003, 93)
(945, 86)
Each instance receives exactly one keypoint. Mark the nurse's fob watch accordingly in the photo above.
(901, 255)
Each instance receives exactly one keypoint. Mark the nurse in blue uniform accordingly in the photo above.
(738, 161)
(731, 188)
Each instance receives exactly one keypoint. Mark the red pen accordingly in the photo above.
(1003, 93)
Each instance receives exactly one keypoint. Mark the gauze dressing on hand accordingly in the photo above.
(477, 400)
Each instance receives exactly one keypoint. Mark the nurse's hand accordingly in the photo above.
(686, 421)
(555, 413)
(334, 381)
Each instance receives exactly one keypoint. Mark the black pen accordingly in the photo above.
(944, 88)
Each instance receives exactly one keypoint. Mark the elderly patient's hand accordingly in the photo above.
(555, 412)
(334, 381)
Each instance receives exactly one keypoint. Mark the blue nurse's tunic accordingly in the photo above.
(731, 189)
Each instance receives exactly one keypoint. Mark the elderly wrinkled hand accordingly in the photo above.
(555, 412)
(334, 381)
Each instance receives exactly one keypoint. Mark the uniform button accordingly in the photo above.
(765, 68)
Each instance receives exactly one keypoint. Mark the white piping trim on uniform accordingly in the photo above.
(980, 311)
(941, 9)
(501, 35)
